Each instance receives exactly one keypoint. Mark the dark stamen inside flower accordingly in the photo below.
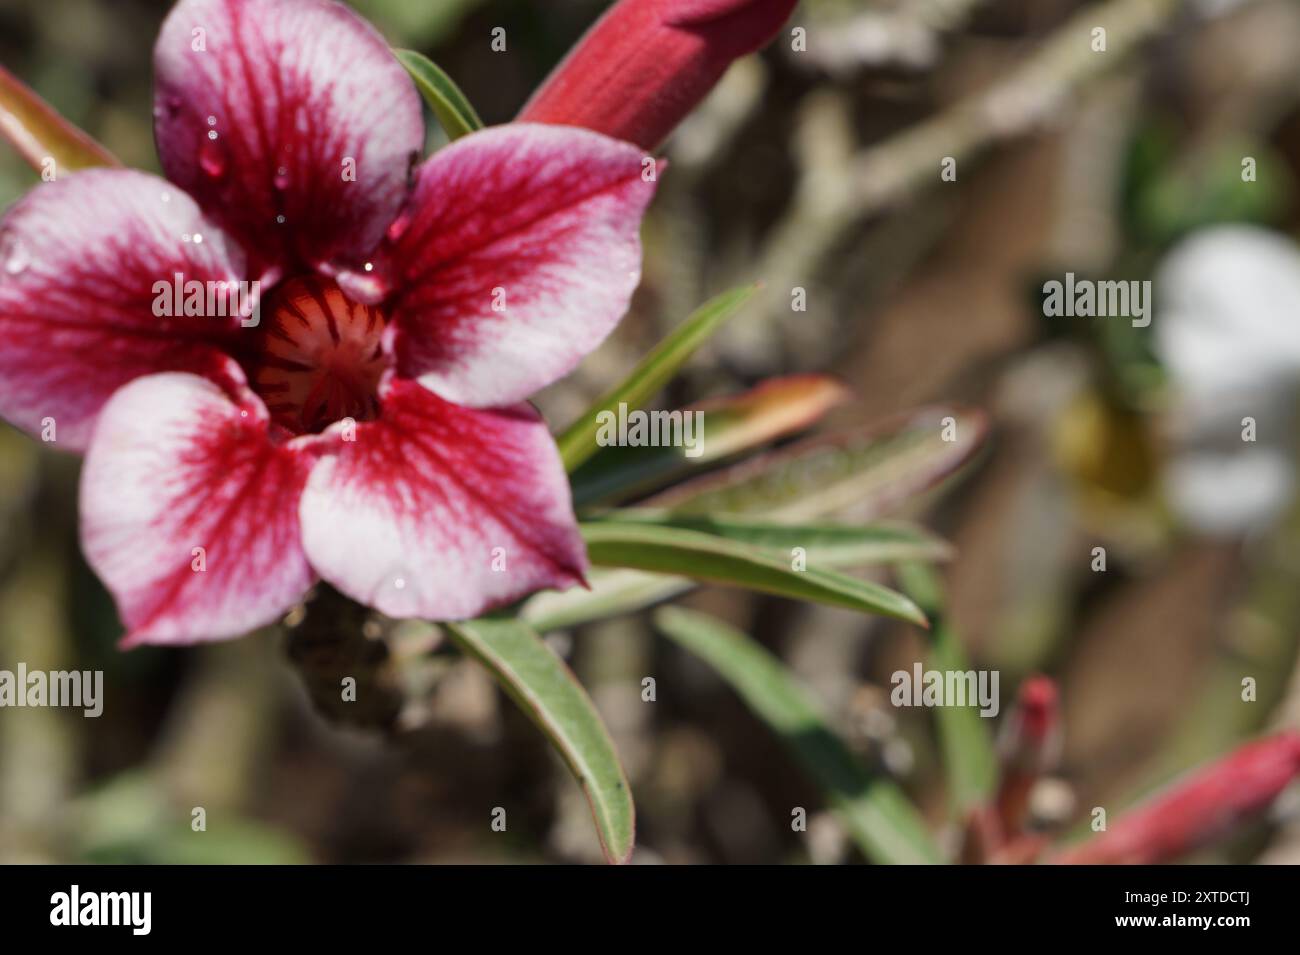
(320, 357)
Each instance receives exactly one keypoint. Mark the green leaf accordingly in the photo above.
(129, 820)
(834, 545)
(857, 474)
(875, 811)
(449, 105)
(968, 752)
(425, 25)
(689, 553)
(547, 691)
(773, 409)
(614, 593)
(885, 466)
(578, 442)
(1169, 188)
(38, 132)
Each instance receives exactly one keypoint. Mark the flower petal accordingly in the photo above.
(79, 260)
(176, 465)
(286, 108)
(1228, 296)
(440, 511)
(519, 257)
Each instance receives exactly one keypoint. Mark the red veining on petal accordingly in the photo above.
(320, 356)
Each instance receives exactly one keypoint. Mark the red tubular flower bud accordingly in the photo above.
(1198, 809)
(1030, 744)
(646, 63)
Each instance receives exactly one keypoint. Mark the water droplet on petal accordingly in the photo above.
(185, 237)
(368, 288)
(398, 226)
(399, 583)
(212, 120)
(198, 237)
(280, 219)
(167, 108)
(212, 134)
(14, 255)
(212, 159)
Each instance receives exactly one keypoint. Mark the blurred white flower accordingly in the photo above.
(1228, 333)
(1227, 493)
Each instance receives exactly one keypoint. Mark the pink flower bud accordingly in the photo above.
(1030, 744)
(1198, 809)
(646, 63)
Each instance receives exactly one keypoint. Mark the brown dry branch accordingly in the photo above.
(835, 194)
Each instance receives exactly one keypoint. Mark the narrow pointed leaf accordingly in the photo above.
(832, 545)
(38, 132)
(547, 691)
(578, 442)
(704, 557)
(773, 409)
(965, 738)
(615, 593)
(453, 111)
(871, 807)
(857, 474)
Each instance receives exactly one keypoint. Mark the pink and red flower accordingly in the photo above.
(371, 429)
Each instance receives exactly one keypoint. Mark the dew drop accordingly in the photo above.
(15, 255)
(280, 219)
(168, 107)
(198, 238)
(212, 120)
(212, 134)
(212, 158)
(398, 226)
(185, 237)
(367, 287)
(399, 583)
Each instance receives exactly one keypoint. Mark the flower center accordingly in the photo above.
(320, 358)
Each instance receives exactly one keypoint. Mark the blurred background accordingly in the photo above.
(1171, 156)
